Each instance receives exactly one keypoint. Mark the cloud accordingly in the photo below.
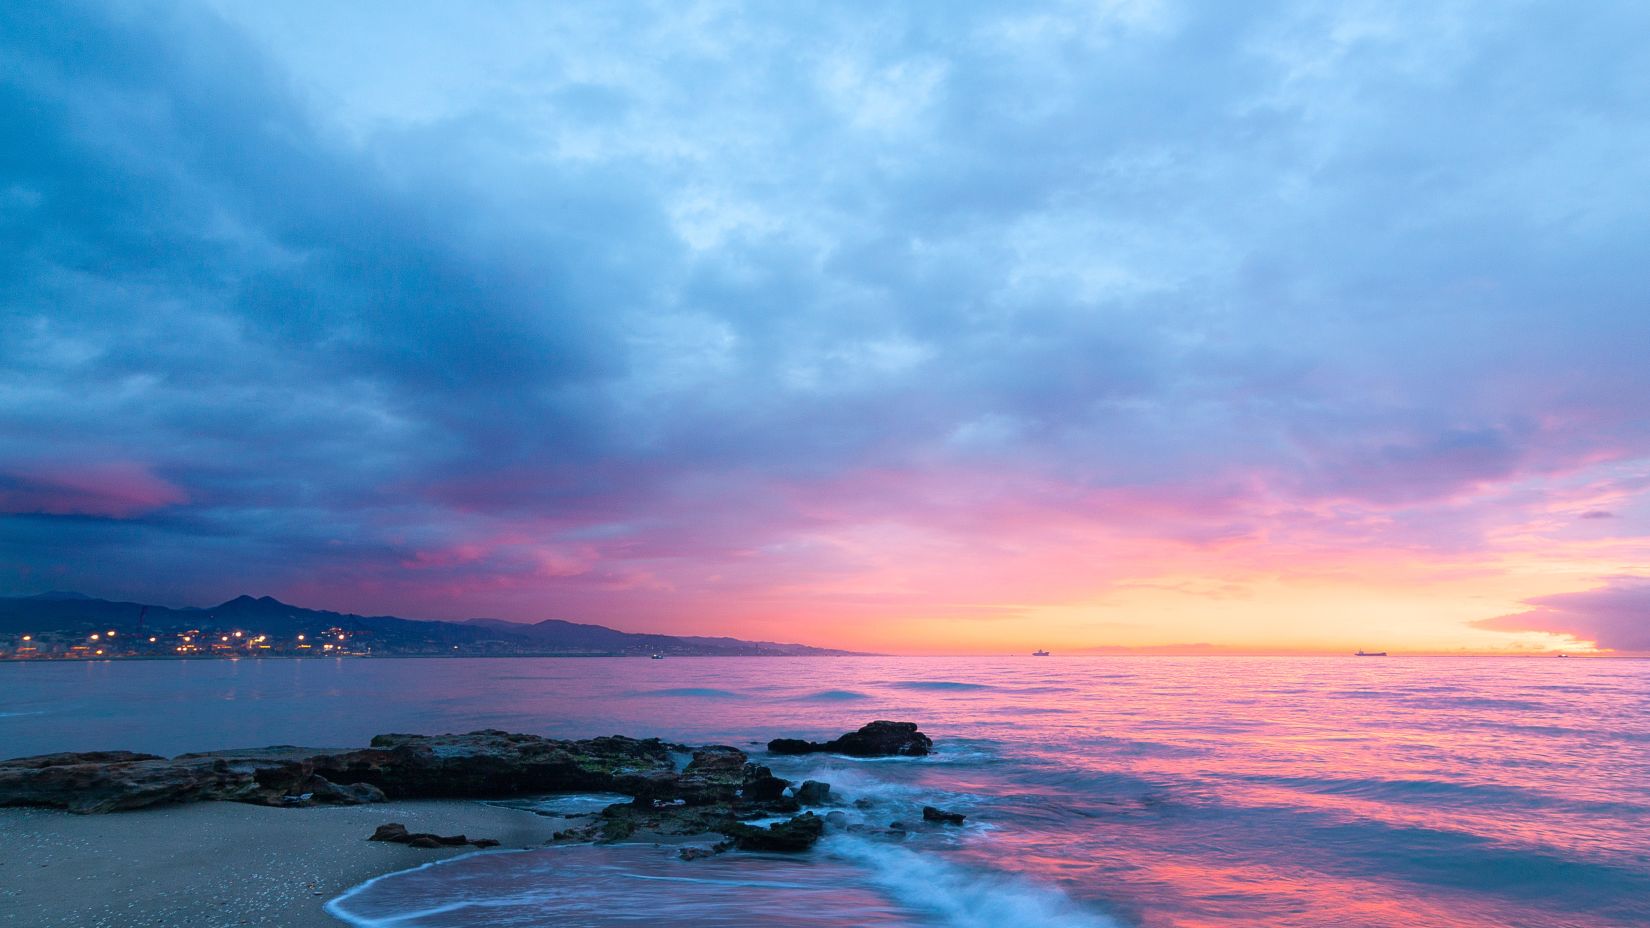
(623, 311)
(115, 490)
(1615, 616)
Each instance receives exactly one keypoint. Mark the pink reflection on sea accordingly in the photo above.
(1290, 793)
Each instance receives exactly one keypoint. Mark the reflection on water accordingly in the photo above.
(1154, 791)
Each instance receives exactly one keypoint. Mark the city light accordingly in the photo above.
(94, 636)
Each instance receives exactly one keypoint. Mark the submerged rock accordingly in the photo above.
(878, 739)
(931, 814)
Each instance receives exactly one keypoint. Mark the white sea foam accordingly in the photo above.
(339, 907)
(961, 896)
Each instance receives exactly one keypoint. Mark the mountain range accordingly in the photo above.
(67, 616)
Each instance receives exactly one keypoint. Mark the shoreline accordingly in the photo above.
(230, 864)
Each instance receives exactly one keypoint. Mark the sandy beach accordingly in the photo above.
(221, 863)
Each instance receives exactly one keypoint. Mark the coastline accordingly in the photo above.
(214, 864)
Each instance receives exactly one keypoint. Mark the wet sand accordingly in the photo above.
(221, 863)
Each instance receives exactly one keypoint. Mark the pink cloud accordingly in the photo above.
(116, 490)
(1615, 615)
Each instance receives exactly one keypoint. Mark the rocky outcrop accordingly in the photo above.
(878, 739)
(481, 764)
(719, 791)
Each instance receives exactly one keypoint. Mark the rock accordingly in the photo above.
(392, 831)
(114, 781)
(717, 758)
(813, 793)
(397, 833)
(716, 774)
(760, 785)
(492, 763)
(796, 834)
(931, 814)
(878, 739)
(82, 757)
(348, 794)
(695, 853)
(483, 764)
(836, 819)
(897, 826)
(884, 739)
(793, 746)
(863, 804)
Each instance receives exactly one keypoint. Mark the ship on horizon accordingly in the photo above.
(1370, 654)
(1039, 653)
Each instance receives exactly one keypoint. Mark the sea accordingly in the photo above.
(1158, 792)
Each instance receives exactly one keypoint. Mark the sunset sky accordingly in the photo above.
(958, 327)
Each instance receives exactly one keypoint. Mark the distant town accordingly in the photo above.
(193, 642)
(71, 626)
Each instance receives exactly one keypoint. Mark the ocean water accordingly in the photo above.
(1116, 791)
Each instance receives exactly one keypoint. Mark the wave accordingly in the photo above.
(962, 896)
(832, 696)
(597, 886)
(1478, 702)
(1434, 793)
(562, 803)
(341, 909)
(939, 685)
(848, 883)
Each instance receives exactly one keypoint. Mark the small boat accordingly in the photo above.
(1562, 654)
(658, 657)
(1039, 654)
(1370, 654)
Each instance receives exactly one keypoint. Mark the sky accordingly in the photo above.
(932, 327)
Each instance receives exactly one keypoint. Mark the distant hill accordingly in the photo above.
(68, 615)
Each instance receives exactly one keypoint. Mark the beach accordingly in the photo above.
(222, 863)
